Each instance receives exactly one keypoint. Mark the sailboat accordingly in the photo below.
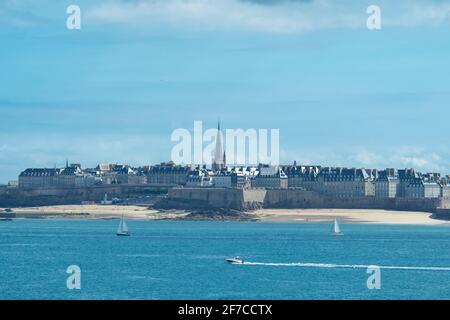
(123, 228)
(336, 229)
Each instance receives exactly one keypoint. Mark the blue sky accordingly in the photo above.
(116, 89)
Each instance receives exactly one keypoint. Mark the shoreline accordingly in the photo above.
(352, 216)
(133, 212)
(92, 212)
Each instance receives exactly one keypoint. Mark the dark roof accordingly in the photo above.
(70, 171)
(271, 171)
(388, 174)
(407, 174)
(344, 173)
(309, 172)
(169, 169)
(39, 172)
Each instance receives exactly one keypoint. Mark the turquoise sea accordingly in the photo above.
(186, 260)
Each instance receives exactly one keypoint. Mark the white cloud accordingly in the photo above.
(279, 17)
(46, 150)
(215, 14)
(419, 158)
(366, 158)
(400, 157)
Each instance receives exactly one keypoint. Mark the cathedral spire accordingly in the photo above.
(219, 155)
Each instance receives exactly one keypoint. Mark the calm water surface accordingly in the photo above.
(186, 260)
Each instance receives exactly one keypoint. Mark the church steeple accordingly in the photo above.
(219, 155)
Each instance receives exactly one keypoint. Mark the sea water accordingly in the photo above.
(186, 260)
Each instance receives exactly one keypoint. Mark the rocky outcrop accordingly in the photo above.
(220, 215)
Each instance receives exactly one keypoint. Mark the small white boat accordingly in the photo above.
(235, 260)
(122, 230)
(336, 229)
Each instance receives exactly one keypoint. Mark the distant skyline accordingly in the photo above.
(114, 91)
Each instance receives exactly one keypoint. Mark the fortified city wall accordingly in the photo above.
(292, 198)
(210, 198)
(15, 197)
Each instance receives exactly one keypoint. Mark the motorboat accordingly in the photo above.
(235, 260)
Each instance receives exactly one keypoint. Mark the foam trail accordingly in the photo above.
(343, 266)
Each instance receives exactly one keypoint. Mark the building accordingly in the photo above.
(222, 179)
(237, 177)
(124, 174)
(140, 176)
(67, 177)
(38, 178)
(331, 181)
(70, 176)
(106, 173)
(406, 178)
(168, 174)
(199, 178)
(304, 177)
(387, 183)
(445, 185)
(241, 177)
(424, 186)
(345, 183)
(270, 177)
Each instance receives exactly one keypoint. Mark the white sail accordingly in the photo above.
(336, 228)
(119, 229)
(123, 228)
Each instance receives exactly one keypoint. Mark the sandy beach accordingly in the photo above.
(372, 216)
(95, 212)
(270, 215)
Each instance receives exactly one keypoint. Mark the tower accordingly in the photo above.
(219, 159)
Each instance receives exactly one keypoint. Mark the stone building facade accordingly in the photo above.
(345, 183)
(424, 186)
(304, 177)
(387, 183)
(199, 178)
(38, 178)
(33, 178)
(168, 174)
(270, 177)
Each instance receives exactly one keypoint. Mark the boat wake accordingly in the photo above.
(343, 266)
